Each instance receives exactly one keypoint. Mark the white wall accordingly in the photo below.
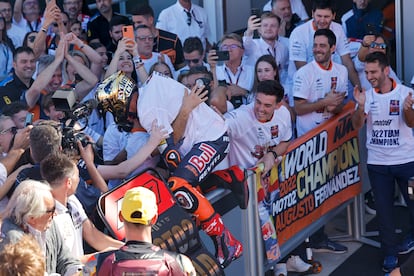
(405, 39)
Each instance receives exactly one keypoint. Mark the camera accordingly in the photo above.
(65, 100)
(70, 138)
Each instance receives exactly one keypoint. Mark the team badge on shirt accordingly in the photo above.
(274, 131)
(394, 107)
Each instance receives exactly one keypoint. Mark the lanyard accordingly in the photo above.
(238, 76)
(31, 27)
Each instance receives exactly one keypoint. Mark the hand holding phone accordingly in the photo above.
(255, 12)
(222, 55)
(128, 32)
(29, 119)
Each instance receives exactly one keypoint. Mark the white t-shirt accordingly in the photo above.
(20, 29)
(249, 137)
(312, 83)
(296, 6)
(70, 224)
(301, 42)
(114, 141)
(389, 140)
(15, 34)
(136, 140)
(161, 98)
(255, 48)
(174, 19)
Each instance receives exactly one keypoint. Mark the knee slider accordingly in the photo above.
(186, 199)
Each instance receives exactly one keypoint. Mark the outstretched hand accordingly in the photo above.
(359, 96)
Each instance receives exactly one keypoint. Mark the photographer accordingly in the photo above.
(46, 139)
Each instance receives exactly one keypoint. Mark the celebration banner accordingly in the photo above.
(319, 172)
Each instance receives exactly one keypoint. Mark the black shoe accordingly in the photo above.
(239, 185)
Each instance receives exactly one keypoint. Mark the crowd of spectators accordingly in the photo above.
(232, 95)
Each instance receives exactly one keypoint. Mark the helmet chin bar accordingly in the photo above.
(114, 95)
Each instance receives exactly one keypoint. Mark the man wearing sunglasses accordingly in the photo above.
(193, 54)
(164, 42)
(371, 43)
(30, 211)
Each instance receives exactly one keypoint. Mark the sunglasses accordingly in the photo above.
(31, 38)
(378, 45)
(195, 61)
(12, 130)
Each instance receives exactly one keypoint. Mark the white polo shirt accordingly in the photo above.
(244, 76)
(174, 20)
(70, 223)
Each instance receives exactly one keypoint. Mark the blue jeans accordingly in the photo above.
(383, 179)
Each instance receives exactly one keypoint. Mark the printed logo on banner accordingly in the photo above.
(394, 107)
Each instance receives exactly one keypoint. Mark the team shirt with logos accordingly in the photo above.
(312, 83)
(249, 138)
(301, 42)
(389, 139)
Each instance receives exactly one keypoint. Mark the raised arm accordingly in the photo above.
(32, 95)
(190, 101)
(89, 80)
(358, 117)
(52, 13)
(112, 67)
(17, 11)
(124, 168)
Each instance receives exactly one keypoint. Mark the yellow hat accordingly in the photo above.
(139, 205)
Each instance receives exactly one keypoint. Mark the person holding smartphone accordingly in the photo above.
(238, 76)
(269, 43)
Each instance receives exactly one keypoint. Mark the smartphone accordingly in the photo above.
(255, 12)
(222, 55)
(371, 30)
(71, 46)
(29, 119)
(128, 31)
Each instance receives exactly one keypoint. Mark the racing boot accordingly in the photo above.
(227, 247)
